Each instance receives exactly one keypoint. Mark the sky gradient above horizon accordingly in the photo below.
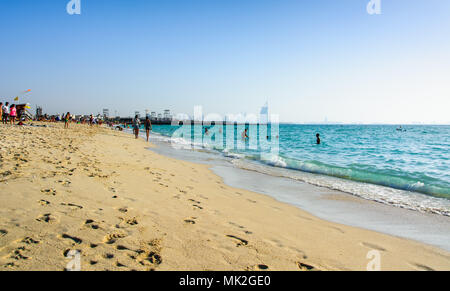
(311, 60)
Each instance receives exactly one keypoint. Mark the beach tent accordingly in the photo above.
(22, 111)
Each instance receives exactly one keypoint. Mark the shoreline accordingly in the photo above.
(125, 207)
(325, 203)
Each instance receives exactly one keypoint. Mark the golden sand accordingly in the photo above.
(126, 208)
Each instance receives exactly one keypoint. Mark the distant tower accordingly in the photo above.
(264, 114)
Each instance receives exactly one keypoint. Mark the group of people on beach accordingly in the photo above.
(8, 113)
(137, 125)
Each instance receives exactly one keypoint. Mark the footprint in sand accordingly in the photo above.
(420, 267)
(72, 205)
(305, 267)
(74, 239)
(190, 220)
(240, 227)
(44, 202)
(122, 248)
(65, 183)
(108, 256)
(262, 267)
(240, 241)
(373, 246)
(50, 191)
(182, 191)
(48, 218)
(30, 241)
(149, 257)
(129, 221)
(112, 238)
(120, 265)
(90, 223)
(18, 254)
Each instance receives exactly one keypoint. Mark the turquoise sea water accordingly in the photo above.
(414, 160)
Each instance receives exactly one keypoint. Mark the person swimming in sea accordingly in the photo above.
(245, 134)
(318, 138)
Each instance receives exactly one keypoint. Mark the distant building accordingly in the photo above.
(159, 116)
(137, 113)
(147, 113)
(153, 115)
(167, 114)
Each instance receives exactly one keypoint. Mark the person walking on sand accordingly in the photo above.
(148, 127)
(13, 113)
(5, 113)
(136, 124)
(67, 120)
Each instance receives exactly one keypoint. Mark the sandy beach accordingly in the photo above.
(125, 207)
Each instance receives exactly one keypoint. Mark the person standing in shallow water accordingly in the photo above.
(136, 124)
(148, 127)
(318, 138)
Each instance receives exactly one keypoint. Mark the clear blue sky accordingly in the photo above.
(311, 60)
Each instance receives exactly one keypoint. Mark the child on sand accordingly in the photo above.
(66, 120)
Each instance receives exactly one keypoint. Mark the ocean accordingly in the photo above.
(408, 168)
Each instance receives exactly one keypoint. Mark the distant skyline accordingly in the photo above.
(311, 60)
